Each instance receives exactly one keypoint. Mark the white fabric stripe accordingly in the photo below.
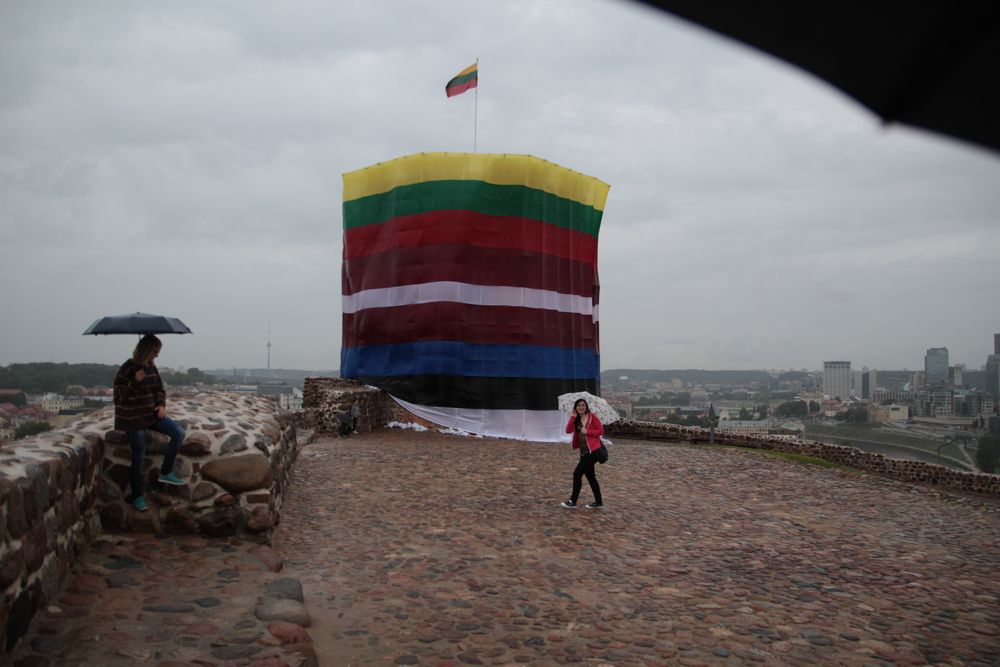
(476, 295)
(531, 425)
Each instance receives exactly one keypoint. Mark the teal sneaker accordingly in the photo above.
(171, 478)
(140, 504)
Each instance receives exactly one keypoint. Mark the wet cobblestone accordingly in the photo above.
(427, 549)
(452, 550)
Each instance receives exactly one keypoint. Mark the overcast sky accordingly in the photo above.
(185, 158)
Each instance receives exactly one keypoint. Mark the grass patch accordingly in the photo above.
(792, 456)
(872, 434)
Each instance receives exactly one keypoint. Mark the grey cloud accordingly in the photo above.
(187, 157)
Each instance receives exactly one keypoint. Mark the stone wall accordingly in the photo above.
(324, 397)
(48, 515)
(235, 461)
(908, 471)
(60, 488)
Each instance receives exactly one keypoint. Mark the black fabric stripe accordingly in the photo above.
(481, 393)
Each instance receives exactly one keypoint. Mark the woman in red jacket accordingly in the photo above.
(587, 430)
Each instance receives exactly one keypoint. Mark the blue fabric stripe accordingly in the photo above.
(469, 359)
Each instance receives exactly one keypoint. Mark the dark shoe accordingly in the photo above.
(593, 506)
(140, 504)
(568, 504)
(171, 478)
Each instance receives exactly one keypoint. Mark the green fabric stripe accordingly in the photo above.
(459, 80)
(479, 196)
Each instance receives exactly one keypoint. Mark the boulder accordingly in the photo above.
(238, 474)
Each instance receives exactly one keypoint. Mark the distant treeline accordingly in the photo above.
(694, 376)
(892, 380)
(41, 377)
(294, 375)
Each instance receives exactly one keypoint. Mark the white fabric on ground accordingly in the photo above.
(532, 425)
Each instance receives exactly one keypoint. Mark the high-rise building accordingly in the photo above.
(837, 379)
(993, 376)
(993, 371)
(936, 365)
(955, 374)
(868, 380)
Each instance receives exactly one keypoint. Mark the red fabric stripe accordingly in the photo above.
(470, 228)
(445, 320)
(461, 88)
(468, 264)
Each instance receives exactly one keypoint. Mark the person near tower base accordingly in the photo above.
(587, 430)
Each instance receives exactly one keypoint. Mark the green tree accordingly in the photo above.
(858, 415)
(792, 409)
(31, 428)
(988, 454)
(814, 407)
(744, 413)
(18, 399)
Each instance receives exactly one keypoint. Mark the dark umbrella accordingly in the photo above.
(932, 65)
(137, 323)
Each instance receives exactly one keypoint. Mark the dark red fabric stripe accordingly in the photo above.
(470, 228)
(449, 321)
(468, 264)
(462, 87)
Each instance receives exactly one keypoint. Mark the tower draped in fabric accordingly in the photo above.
(470, 288)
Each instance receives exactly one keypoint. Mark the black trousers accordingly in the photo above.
(586, 468)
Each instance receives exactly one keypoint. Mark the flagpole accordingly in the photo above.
(475, 123)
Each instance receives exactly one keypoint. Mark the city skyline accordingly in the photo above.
(186, 160)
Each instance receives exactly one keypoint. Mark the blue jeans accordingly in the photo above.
(137, 443)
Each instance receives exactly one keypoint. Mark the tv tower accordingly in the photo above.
(268, 350)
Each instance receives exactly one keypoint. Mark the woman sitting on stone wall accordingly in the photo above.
(140, 404)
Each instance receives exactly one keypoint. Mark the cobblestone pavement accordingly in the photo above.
(169, 601)
(428, 549)
(439, 550)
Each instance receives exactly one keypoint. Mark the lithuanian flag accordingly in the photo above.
(466, 79)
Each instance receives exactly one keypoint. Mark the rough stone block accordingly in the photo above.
(36, 545)
(115, 438)
(180, 520)
(260, 520)
(196, 444)
(239, 474)
(35, 487)
(11, 567)
(113, 516)
(22, 611)
(17, 521)
(221, 522)
(237, 442)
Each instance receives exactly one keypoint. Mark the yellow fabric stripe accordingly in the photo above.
(468, 70)
(499, 169)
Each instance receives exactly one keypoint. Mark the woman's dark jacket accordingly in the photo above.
(136, 402)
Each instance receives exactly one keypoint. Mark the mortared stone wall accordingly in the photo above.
(59, 489)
